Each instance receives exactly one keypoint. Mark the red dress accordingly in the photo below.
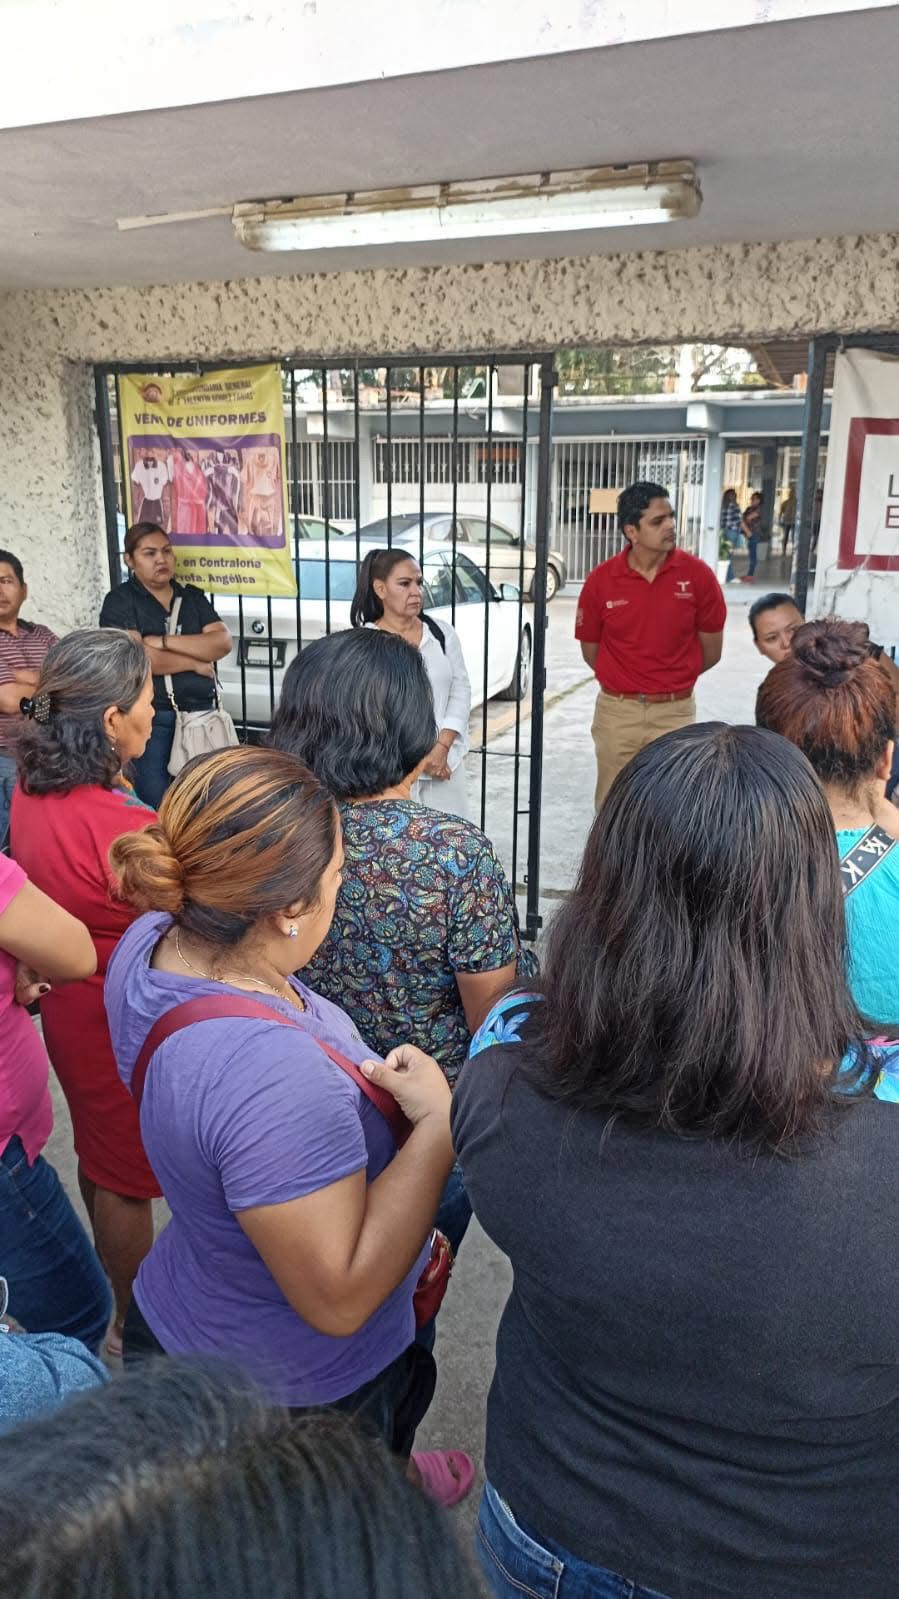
(62, 841)
(191, 491)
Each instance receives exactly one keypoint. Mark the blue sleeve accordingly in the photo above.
(503, 1023)
(39, 1370)
(887, 1085)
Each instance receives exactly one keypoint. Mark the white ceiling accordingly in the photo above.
(792, 125)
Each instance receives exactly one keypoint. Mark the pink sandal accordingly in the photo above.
(438, 1480)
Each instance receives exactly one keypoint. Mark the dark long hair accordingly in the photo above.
(357, 709)
(179, 1479)
(376, 568)
(831, 699)
(65, 744)
(696, 979)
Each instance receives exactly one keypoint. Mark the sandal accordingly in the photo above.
(438, 1481)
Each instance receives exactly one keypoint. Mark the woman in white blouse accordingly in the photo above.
(389, 596)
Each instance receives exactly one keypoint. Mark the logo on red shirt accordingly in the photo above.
(610, 604)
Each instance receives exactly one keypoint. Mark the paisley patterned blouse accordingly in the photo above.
(423, 897)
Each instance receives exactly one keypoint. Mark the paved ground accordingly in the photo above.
(468, 1321)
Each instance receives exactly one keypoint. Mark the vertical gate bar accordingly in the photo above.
(422, 472)
(548, 380)
(579, 493)
(326, 497)
(487, 604)
(389, 454)
(125, 469)
(107, 472)
(455, 482)
(243, 667)
(818, 352)
(271, 657)
(522, 523)
(296, 504)
(357, 451)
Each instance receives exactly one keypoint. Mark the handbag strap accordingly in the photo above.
(860, 861)
(208, 1006)
(171, 626)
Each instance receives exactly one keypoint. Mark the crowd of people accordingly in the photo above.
(284, 988)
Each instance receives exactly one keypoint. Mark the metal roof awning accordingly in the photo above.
(784, 362)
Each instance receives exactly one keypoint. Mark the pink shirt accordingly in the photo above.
(25, 1108)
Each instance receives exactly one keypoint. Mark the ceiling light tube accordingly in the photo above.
(556, 202)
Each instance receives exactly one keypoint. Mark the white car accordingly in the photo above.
(267, 633)
(508, 559)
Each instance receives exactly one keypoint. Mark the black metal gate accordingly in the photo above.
(449, 458)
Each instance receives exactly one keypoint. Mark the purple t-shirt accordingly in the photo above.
(238, 1113)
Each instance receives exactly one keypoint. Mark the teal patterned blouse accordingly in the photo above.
(423, 897)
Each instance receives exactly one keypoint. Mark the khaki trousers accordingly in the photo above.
(621, 728)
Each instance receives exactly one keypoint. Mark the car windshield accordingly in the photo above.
(312, 579)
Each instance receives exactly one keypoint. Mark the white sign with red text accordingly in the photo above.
(858, 547)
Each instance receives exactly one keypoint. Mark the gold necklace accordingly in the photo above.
(246, 977)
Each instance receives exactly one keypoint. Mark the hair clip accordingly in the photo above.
(37, 708)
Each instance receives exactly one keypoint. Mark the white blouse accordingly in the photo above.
(450, 686)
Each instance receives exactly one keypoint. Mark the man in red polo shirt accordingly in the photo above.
(649, 621)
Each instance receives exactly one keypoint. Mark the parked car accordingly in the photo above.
(505, 552)
(307, 527)
(267, 633)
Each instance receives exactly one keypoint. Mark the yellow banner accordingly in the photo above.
(204, 459)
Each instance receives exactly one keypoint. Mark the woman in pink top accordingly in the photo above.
(56, 1283)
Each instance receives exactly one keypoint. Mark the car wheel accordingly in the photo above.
(521, 677)
(552, 584)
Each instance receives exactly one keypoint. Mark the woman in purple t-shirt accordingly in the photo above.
(298, 1230)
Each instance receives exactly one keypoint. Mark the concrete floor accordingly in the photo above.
(468, 1320)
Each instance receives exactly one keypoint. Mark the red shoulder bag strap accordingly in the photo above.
(210, 1006)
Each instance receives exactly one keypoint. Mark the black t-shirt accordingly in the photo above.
(134, 607)
(697, 1371)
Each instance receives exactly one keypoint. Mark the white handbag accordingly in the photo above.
(196, 732)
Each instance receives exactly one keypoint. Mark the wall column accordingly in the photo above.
(713, 487)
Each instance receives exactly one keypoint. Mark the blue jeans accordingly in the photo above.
(56, 1282)
(150, 772)
(754, 541)
(517, 1566)
(7, 784)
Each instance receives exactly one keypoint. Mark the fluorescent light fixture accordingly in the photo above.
(589, 198)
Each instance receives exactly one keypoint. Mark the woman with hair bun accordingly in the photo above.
(831, 699)
(389, 596)
(90, 715)
(299, 1229)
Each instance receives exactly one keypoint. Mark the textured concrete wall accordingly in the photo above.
(48, 340)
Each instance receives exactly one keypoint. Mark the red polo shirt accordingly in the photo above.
(648, 632)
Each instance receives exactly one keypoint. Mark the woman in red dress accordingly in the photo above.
(90, 714)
